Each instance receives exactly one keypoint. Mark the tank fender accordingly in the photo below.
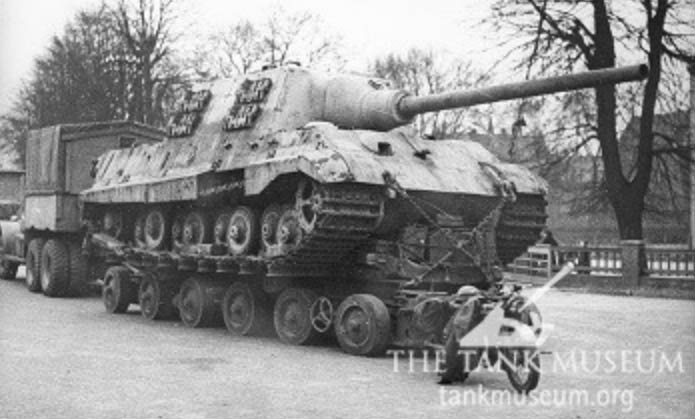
(324, 166)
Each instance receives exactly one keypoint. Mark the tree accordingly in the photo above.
(561, 35)
(74, 80)
(146, 28)
(422, 72)
(285, 36)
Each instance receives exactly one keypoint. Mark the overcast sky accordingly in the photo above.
(368, 27)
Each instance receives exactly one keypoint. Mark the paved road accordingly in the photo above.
(67, 358)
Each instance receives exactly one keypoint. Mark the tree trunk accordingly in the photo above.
(625, 197)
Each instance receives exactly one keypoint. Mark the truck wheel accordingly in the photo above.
(245, 309)
(33, 264)
(292, 316)
(363, 325)
(198, 302)
(8, 270)
(118, 291)
(79, 270)
(55, 268)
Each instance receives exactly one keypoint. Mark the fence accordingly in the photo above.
(661, 261)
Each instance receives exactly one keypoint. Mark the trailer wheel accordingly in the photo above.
(292, 316)
(118, 292)
(245, 309)
(198, 302)
(155, 298)
(363, 325)
(8, 270)
(33, 264)
(55, 268)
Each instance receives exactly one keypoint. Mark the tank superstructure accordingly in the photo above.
(304, 189)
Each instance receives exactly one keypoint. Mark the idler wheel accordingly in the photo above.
(245, 309)
(118, 292)
(308, 202)
(198, 302)
(219, 230)
(269, 226)
(113, 224)
(292, 316)
(363, 325)
(155, 298)
(288, 234)
(157, 229)
(242, 231)
(196, 229)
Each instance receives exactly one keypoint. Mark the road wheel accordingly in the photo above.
(196, 229)
(269, 226)
(242, 231)
(8, 270)
(139, 230)
(118, 291)
(155, 298)
(55, 268)
(177, 231)
(219, 230)
(33, 264)
(198, 302)
(246, 310)
(289, 233)
(363, 325)
(292, 316)
(157, 229)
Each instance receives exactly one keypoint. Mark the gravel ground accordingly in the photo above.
(68, 358)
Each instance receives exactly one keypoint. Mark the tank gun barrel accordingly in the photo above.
(409, 106)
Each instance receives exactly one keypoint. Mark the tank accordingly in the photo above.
(308, 189)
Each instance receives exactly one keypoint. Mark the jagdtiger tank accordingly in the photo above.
(301, 202)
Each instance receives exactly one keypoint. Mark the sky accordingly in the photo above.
(368, 27)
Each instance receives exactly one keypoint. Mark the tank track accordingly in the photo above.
(348, 214)
(519, 226)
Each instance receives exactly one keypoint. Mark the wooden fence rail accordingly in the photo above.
(604, 260)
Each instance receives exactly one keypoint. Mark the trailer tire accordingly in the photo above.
(118, 291)
(363, 325)
(8, 270)
(292, 316)
(33, 264)
(55, 268)
(246, 309)
(199, 301)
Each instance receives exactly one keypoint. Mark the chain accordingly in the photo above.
(506, 190)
